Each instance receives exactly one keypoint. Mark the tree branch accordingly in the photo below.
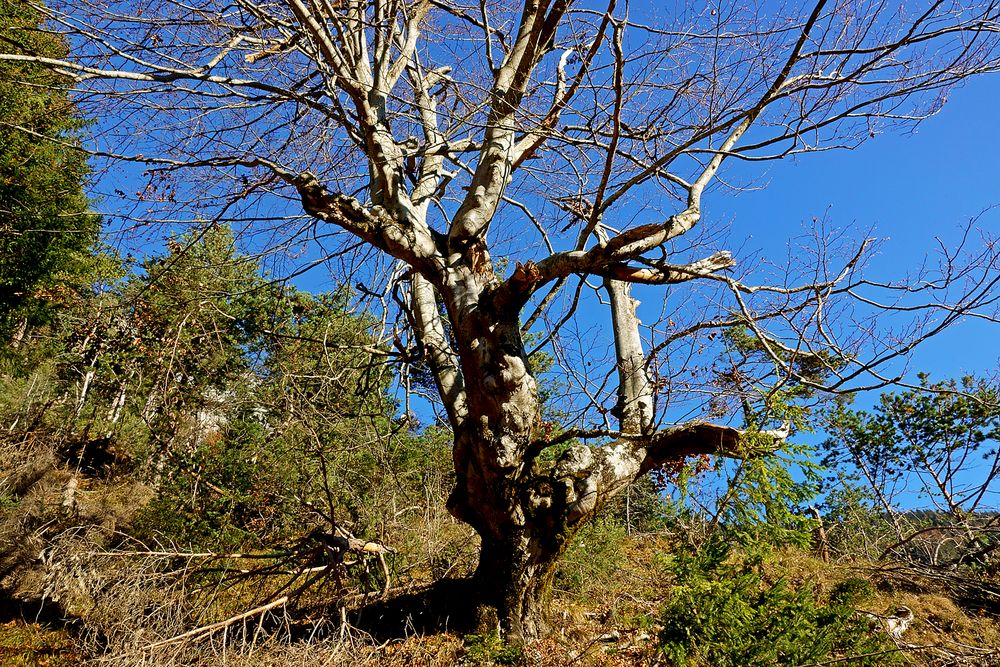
(593, 475)
(411, 241)
(442, 359)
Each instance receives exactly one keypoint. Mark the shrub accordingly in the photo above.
(490, 649)
(593, 560)
(724, 613)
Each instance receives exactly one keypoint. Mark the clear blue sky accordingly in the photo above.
(910, 188)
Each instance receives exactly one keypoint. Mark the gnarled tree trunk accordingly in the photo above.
(528, 510)
(346, 83)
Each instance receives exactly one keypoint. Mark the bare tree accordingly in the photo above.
(422, 139)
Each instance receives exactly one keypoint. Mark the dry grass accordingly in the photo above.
(942, 633)
(138, 605)
(611, 591)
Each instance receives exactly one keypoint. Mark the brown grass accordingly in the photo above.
(606, 612)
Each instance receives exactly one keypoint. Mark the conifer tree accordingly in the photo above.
(46, 228)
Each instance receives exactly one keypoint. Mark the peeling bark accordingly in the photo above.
(348, 59)
(437, 349)
(635, 392)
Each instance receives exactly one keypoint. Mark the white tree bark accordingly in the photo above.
(548, 109)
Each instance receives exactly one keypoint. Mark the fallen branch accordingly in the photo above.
(206, 630)
(184, 554)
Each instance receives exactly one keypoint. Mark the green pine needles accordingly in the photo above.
(46, 228)
(726, 612)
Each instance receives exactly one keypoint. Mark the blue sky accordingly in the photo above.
(909, 187)
(906, 188)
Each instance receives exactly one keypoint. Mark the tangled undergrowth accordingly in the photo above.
(623, 598)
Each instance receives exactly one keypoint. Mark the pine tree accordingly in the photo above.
(46, 229)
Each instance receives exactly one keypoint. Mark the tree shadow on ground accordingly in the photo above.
(42, 612)
(448, 605)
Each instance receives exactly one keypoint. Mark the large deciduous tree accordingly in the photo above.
(412, 143)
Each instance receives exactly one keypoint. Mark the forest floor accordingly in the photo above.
(611, 620)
